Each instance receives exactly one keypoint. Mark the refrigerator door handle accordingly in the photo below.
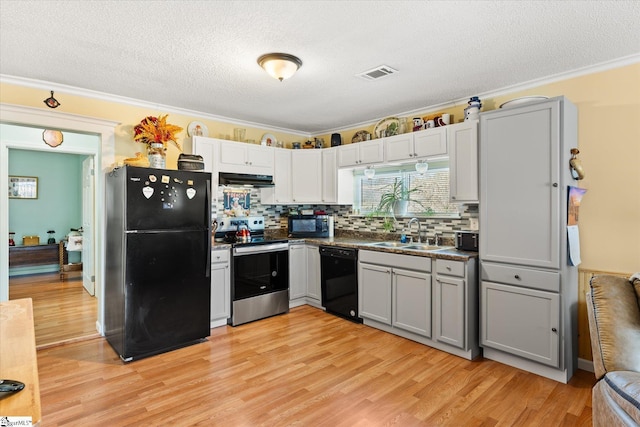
(208, 213)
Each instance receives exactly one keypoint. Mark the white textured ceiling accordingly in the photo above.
(201, 55)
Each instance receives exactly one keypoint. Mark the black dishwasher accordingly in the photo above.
(339, 281)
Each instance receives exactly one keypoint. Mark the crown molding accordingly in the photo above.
(39, 84)
(592, 69)
(102, 96)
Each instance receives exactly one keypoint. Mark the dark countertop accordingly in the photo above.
(447, 252)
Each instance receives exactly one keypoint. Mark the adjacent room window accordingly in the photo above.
(432, 189)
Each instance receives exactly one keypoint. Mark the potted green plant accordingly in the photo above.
(396, 200)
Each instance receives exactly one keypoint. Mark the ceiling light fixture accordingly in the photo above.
(280, 65)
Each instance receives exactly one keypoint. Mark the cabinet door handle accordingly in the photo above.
(554, 330)
(517, 276)
(555, 184)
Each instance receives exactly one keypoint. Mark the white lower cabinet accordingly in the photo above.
(314, 294)
(455, 304)
(521, 321)
(374, 293)
(297, 274)
(304, 275)
(396, 294)
(411, 308)
(220, 287)
(395, 290)
(449, 309)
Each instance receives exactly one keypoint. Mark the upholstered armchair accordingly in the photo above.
(613, 305)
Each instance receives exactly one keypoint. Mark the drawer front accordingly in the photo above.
(519, 276)
(411, 262)
(220, 256)
(450, 268)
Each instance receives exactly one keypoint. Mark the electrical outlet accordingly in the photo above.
(473, 224)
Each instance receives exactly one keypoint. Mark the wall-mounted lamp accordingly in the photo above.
(280, 65)
(52, 138)
(422, 166)
(369, 172)
(51, 101)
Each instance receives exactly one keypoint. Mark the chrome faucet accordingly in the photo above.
(411, 221)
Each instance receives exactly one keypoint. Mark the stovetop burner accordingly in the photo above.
(257, 240)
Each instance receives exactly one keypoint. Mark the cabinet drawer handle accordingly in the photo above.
(517, 276)
(448, 268)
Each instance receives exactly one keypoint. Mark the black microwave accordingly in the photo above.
(309, 226)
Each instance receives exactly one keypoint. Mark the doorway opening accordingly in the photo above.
(22, 128)
(51, 262)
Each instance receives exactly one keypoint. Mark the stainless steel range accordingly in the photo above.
(259, 270)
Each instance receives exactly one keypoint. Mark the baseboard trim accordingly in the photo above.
(585, 365)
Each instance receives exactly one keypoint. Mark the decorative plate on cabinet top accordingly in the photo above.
(523, 100)
(269, 140)
(390, 125)
(197, 129)
(360, 136)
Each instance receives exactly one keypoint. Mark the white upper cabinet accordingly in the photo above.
(280, 193)
(430, 142)
(207, 148)
(361, 153)
(330, 175)
(463, 162)
(411, 146)
(306, 176)
(245, 158)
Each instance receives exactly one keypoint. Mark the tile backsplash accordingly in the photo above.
(346, 220)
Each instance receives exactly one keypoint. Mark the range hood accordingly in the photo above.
(245, 179)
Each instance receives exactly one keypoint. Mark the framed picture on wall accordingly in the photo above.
(23, 187)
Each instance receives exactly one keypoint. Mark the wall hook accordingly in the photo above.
(576, 166)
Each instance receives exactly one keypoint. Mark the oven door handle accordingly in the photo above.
(260, 249)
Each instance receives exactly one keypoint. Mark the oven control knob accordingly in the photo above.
(274, 273)
(352, 313)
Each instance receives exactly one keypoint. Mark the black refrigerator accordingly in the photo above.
(158, 260)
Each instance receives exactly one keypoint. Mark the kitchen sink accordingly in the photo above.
(390, 244)
(410, 246)
(421, 247)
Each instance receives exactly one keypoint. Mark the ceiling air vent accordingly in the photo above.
(377, 73)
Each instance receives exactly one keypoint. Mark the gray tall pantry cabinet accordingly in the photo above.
(529, 292)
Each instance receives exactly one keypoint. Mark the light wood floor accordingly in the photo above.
(305, 368)
(62, 310)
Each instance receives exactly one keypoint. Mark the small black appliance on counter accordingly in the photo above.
(467, 240)
(316, 225)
